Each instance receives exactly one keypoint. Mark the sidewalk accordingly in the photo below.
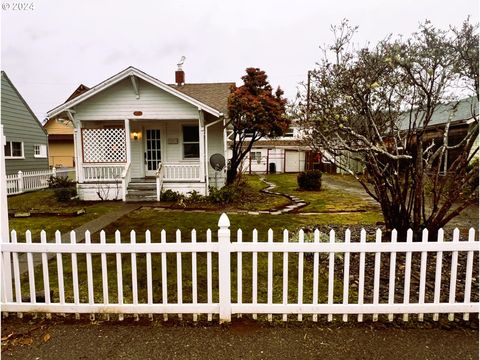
(243, 339)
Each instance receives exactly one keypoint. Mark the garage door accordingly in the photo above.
(294, 161)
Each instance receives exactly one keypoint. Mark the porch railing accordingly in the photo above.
(102, 172)
(181, 171)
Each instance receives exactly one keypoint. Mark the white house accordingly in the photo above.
(135, 136)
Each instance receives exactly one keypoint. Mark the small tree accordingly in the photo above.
(254, 112)
(375, 105)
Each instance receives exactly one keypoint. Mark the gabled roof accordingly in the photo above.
(456, 111)
(132, 71)
(4, 76)
(213, 94)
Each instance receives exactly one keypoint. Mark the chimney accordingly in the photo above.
(180, 77)
(180, 74)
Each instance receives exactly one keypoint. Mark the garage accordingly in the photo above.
(294, 161)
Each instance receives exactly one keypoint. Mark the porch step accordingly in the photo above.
(141, 195)
(144, 189)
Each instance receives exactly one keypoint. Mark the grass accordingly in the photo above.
(44, 201)
(325, 200)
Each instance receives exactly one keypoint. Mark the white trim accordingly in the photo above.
(14, 157)
(42, 151)
(131, 71)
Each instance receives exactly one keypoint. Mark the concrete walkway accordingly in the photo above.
(93, 226)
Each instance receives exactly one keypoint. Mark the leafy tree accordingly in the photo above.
(376, 105)
(254, 112)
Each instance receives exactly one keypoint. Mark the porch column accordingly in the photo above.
(203, 152)
(77, 149)
(127, 140)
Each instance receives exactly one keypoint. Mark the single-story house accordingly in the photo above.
(26, 140)
(135, 135)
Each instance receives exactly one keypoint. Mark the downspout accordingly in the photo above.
(207, 180)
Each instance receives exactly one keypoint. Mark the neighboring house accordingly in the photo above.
(135, 134)
(459, 114)
(61, 151)
(26, 140)
(285, 154)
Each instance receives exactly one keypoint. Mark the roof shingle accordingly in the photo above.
(212, 94)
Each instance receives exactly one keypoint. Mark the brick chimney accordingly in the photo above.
(180, 77)
(179, 74)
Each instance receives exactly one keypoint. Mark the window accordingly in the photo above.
(191, 143)
(40, 151)
(14, 149)
(288, 133)
(256, 155)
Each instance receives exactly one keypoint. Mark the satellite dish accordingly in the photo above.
(217, 162)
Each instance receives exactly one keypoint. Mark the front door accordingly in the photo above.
(153, 153)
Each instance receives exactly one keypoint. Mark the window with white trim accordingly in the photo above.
(40, 151)
(191, 142)
(14, 150)
(256, 156)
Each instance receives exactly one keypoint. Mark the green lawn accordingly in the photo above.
(325, 200)
(58, 219)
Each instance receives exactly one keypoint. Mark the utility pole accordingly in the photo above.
(308, 94)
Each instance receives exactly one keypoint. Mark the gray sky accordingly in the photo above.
(48, 51)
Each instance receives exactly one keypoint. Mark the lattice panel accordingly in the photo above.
(104, 145)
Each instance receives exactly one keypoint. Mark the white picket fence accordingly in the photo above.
(298, 276)
(29, 181)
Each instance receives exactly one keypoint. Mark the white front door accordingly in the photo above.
(153, 152)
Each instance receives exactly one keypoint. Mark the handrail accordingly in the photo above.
(125, 180)
(159, 179)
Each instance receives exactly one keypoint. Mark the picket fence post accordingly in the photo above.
(54, 172)
(224, 274)
(20, 181)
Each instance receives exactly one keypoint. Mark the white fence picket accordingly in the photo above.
(316, 240)
(239, 271)
(408, 270)
(285, 275)
(453, 273)
(104, 265)
(194, 274)
(119, 273)
(376, 273)
(31, 272)
(438, 274)
(254, 271)
(270, 274)
(16, 270)
(361, 273)
(423, 273)
(346, 273)
(209, 274)
(391, 279)
(300, 273)
(163, 239)
(468, 273)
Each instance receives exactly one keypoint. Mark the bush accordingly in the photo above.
(226, 195)
(63, 188)
(170, 195)
(310, 180)
(195, 197)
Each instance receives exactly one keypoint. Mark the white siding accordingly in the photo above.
(215, 145)
(119, 102)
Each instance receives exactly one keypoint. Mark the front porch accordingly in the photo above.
(115, 181)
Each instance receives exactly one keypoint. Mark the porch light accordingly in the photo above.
(136, 135)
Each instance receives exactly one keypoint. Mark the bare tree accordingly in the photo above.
(379, 106)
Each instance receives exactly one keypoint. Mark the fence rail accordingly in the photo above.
(28, 181)
(308, 274)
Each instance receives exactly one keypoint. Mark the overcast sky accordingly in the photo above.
(48, 51)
